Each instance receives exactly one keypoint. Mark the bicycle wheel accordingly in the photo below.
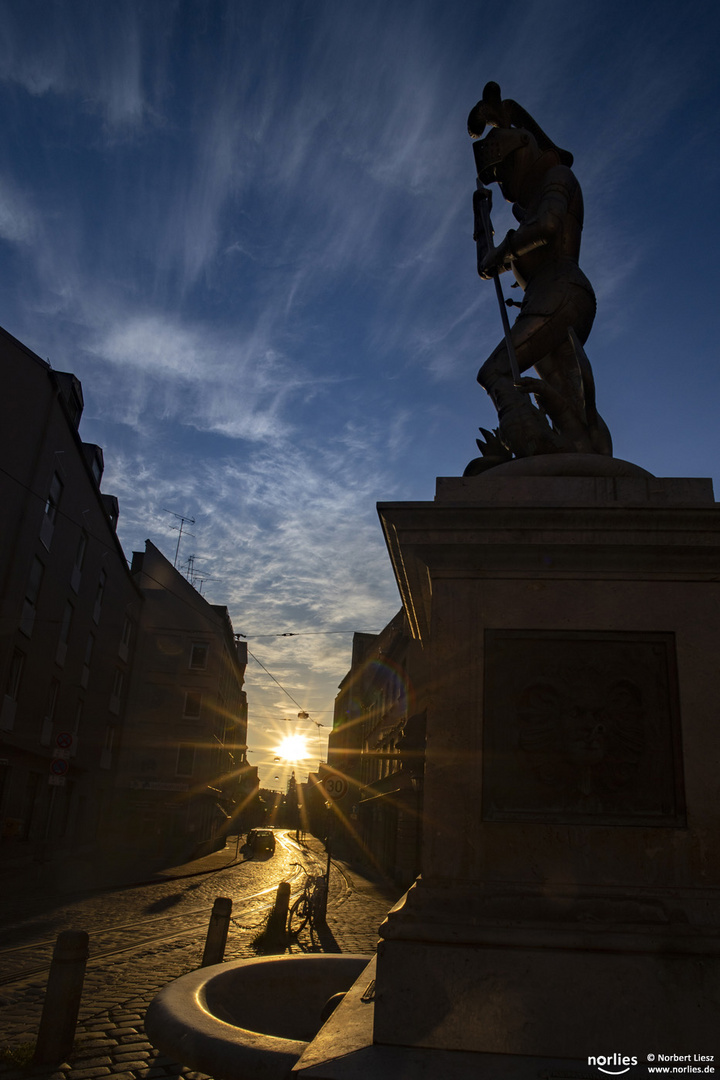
(299, 914)
(318, 905)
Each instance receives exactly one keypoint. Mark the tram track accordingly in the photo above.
(246, 907)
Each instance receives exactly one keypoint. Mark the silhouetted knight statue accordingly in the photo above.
(558, 308)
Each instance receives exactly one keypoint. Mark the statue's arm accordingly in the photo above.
(540, 227)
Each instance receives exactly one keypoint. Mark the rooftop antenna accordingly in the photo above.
(194, 575)
(182, 518)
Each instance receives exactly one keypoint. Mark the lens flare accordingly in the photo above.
(292, 748)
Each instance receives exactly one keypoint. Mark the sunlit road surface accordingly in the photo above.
(142, 936)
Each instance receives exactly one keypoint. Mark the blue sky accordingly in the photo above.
(246, 226)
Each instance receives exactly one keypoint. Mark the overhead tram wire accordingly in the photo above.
(287, 692)
(305, 633)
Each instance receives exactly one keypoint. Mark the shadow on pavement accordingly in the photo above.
(163, 903)
(316, 941)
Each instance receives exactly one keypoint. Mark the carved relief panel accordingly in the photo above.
(582, 728)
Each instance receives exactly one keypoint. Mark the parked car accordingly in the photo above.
(261, 840)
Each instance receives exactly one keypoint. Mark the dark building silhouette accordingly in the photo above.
(183, 774)
(122, 711)
(68, 613)
(378, 745)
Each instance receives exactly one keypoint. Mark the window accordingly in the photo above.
(80, 551)
(66, 623)
(117, 691)
(199, 656)
(50, 710)
(106, 752)
(12, 687)
(12, 690)
(52, 699)
(193, 702)
(124, 646)
(32, 590)
(185, 760)
(51, 508)
(76, 727)
(53, 500)
(34, 582)
(65, 626)
(85, 673)
(99, 596)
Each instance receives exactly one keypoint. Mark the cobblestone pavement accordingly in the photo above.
(110, 1036)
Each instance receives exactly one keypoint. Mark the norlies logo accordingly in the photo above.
(613, 1064)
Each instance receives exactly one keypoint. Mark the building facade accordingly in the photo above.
(183, 779)
(377, 745)
(68, 612)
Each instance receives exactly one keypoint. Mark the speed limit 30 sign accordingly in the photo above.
(335, 786)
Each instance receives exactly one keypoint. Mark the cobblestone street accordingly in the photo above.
(158, 932)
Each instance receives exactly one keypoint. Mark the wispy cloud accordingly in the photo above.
(196, 376)
(100, 68)
(19, 222)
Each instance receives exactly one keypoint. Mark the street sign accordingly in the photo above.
(57, 781)
(64, 740)
(335, 786)
(58, 767)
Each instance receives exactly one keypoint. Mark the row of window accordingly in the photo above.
(37, 570)
(184, 763)
(192, 705)
(32, 592)
(17, 666)
(12, 690)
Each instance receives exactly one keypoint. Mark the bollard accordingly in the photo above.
(217, 931)
(62, 998)
(282, 902)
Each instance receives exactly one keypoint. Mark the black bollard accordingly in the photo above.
(217, 931)
(62, 998)
(282, 902)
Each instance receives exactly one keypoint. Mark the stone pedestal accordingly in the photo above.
(569, 902)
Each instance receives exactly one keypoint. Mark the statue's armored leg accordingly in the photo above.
(567, 372)
(523, 429)
(566, 392)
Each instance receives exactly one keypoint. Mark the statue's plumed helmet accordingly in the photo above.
(498, 145)
(512, 126)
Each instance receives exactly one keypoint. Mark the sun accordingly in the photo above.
(292, 748)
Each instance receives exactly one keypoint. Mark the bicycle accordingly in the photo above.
(311, 904)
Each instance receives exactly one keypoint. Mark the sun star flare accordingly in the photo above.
(292, 748)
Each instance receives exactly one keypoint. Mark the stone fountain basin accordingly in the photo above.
(249, 1019)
